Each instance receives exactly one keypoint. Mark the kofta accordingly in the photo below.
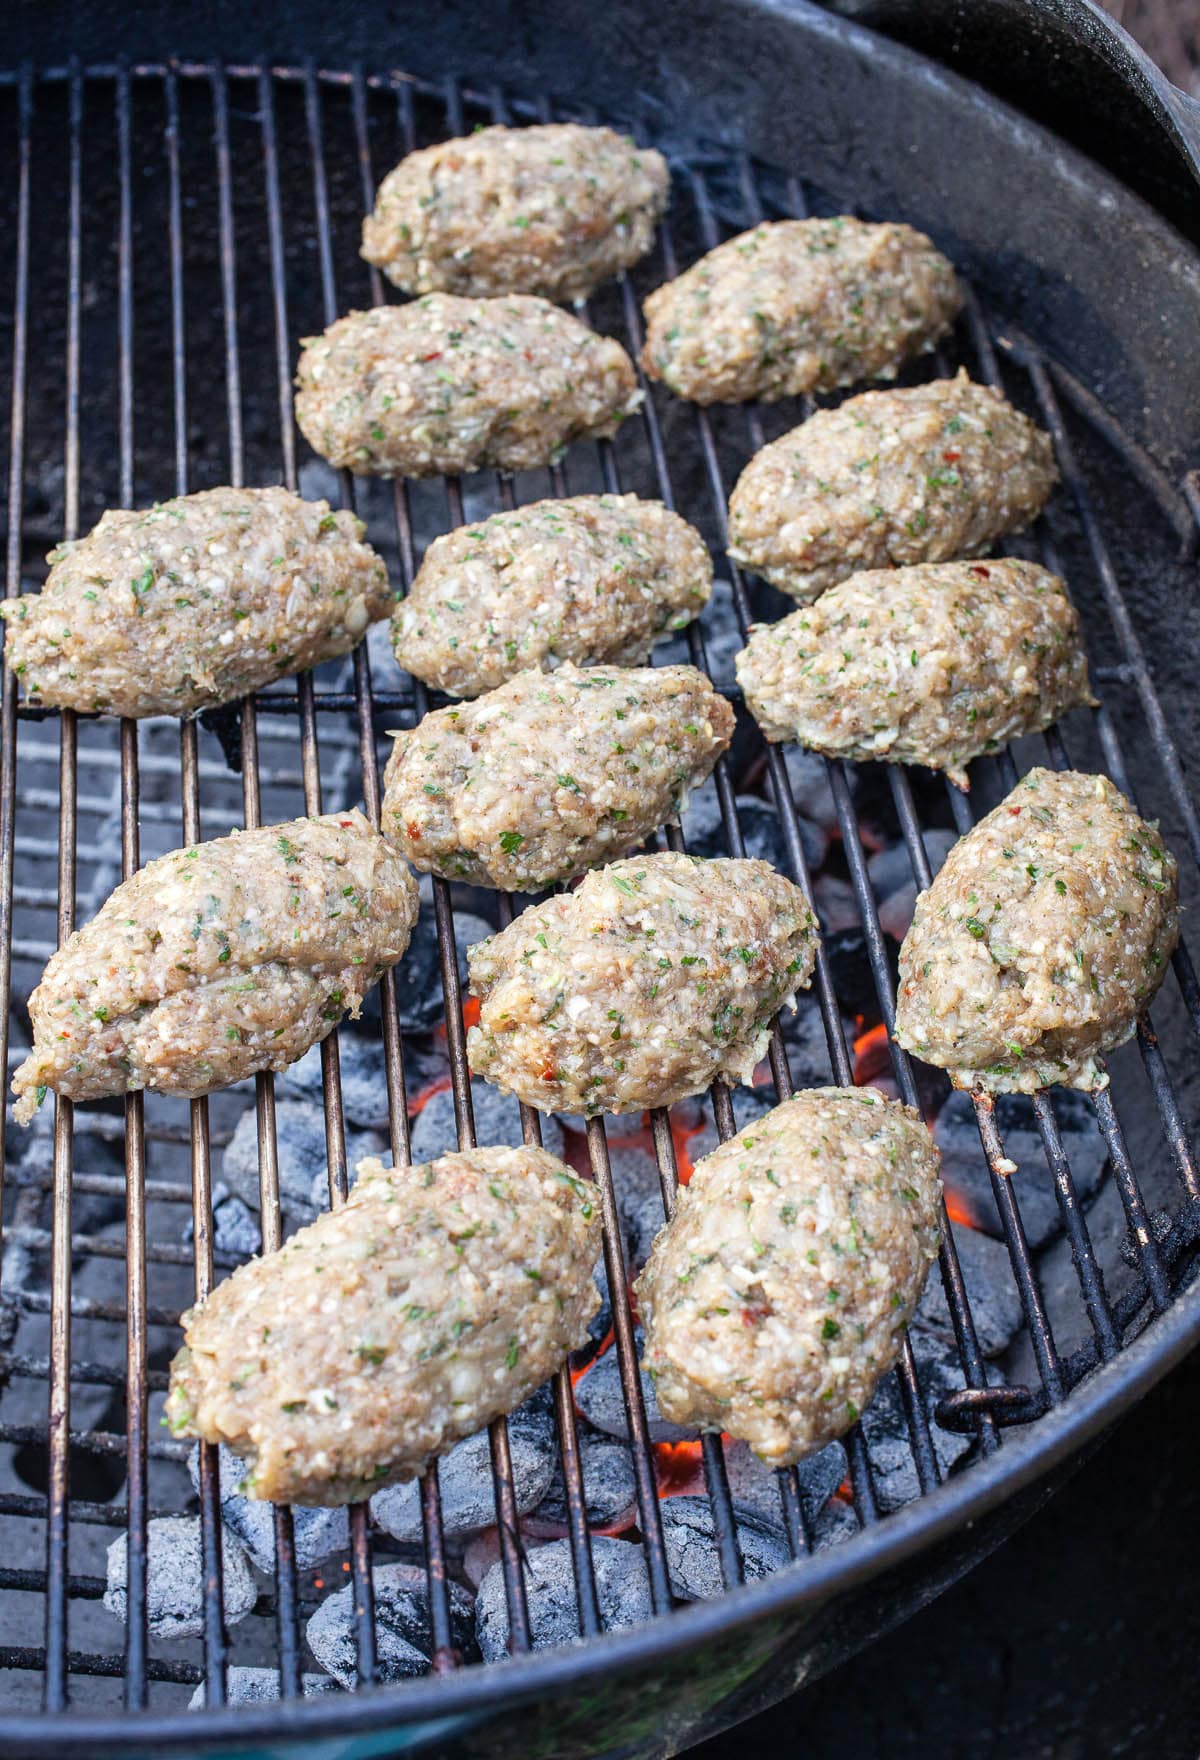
(778, 1295)
(793, 306)
(193, 602)
(436, 1298)
(219, 960)
(924, 474)
(589, 578)
(551, 773)
(655, 976)
(1044, 936)
(933, 664)
(447, 384)
(553, 209)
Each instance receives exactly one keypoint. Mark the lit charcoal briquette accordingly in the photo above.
(403, 1626)
(622, 1589)
(693, 1561)
(175, 1578)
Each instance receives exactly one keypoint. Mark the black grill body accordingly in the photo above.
(182, 210)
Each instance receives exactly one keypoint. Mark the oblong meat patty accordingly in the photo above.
(435, 1299)
(888, 478)
(195, 601)
(219, 960)
(778, 1295)
(551, 773)
(656, 975)
(1043, 937)
(448, 385)
(588, 578)
(799, 305)
(553, 209)
(933, 664)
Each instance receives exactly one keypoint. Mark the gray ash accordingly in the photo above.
(364, 1083)
(419, 994)
(175, 1578)
(622, 1590)
(403, 1629)
(465, 1480)
(693, 1563)
(316, 1531)
(892, 879)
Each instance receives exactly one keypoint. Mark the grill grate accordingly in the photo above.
(217, 169)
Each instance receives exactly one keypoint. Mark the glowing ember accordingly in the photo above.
(871, 1055)
(679, 1469)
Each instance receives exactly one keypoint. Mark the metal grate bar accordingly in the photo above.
(135, 1139)
(59, 1414)
(12, 569)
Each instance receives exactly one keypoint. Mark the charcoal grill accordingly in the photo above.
(179, 218)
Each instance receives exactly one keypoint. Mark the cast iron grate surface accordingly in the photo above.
(175, 231)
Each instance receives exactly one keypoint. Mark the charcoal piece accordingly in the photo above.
(403, 1629)
(638, 1194)
(965, 1170)
(891, 870)
(622, 1590)
(749, 1105)
(260, 1686)
(722, 636)
(598, 1396)
(808, 774)
(850, 968)
(991, 1293)
(303, 1158)
(893, 1470)
(600, 1325)
(609, 1488)
(465, 1479)
(497, 1121)
(837, 906)
(175, 1578)
(693, 1562)
(316, 1531)
(836, 1522)
(236, 1234)
(807, 1045)
(757, 1486)
(360, 1073)
(762, 833)
(419, 979)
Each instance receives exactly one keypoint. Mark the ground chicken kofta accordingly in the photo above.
(193, 602)
(554, 209)
(589, 578)
(925, 474)
(435, 1299)
(1044, 936)
(656, 975)
(932, 664)
(449, 385)
(778, 1295)
(219, 960)
(799, 305)
(551, 773)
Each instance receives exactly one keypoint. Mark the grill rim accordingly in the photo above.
(615, 1647)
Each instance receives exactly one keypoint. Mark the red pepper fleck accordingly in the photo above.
(345, 824)
(978, 568)
(549, 1072)
(952, 457)
(435, 356)
(414, 830)
(1014, 811)
(755, 1315)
